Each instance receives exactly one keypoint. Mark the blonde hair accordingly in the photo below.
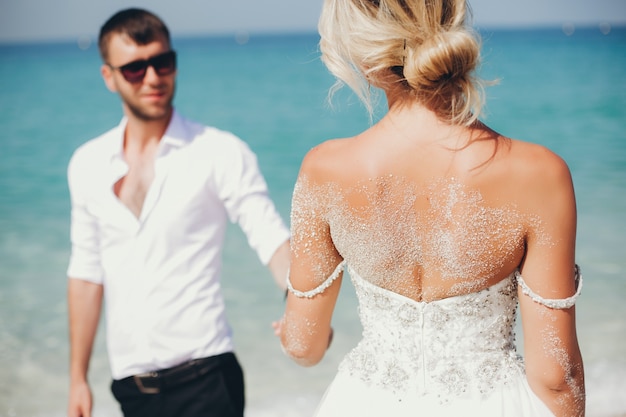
(423, 49)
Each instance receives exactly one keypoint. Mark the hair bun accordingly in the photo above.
(445, 57)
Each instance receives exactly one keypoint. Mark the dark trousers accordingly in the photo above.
(209, 387)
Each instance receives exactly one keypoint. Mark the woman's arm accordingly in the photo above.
(554, 365)
(306, 327)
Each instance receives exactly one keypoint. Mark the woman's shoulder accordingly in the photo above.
(533, 161)
(537, 176)
(328, 159)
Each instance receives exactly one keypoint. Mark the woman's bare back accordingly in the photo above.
(426, 220)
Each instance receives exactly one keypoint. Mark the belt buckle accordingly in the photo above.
(143, 389)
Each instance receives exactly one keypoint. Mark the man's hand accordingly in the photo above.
(278, 326)
(80, 402)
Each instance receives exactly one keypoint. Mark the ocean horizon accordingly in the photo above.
(565, 90)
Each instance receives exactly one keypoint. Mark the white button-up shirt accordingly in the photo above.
(161, 272)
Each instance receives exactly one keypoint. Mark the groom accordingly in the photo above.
(151, 200)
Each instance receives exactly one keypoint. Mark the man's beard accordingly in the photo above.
(140, 114)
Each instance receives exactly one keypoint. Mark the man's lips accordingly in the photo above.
(154, 95)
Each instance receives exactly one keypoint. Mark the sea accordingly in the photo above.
(564, 88)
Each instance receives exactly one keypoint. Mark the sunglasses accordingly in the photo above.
(134, 72)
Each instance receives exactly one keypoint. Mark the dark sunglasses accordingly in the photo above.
(163, 64)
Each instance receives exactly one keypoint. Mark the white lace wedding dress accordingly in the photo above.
(451, 357)
(454, 356)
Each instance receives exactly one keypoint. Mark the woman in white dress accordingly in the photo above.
(445, 227)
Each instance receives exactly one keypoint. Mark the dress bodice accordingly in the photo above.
(452, 356)
(457, 346)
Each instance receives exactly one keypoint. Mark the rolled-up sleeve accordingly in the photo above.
(84, 233)
(246, 198)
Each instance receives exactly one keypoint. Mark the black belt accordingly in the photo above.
(157, 381)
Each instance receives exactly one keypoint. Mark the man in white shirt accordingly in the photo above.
(151, 200)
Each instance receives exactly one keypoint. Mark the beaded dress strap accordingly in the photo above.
(559, 304)
(320, 288)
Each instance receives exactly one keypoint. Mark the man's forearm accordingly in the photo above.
(84, 306)
(279, 264)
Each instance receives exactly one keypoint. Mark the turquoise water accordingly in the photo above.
(566, 92)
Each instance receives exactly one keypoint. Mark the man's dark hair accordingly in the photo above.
(139, 25)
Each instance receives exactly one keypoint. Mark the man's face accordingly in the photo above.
(150, 97)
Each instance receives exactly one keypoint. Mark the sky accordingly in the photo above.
(52, 20)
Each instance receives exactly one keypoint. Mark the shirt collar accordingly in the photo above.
(174, 137)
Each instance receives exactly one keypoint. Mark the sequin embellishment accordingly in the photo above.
(423, 347)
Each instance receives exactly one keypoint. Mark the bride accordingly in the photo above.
(444, 226)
